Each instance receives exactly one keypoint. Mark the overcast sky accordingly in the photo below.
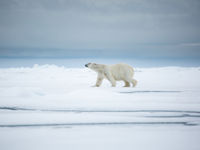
(109, 28)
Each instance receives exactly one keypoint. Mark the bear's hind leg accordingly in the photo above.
(133, 81)
(127, 84)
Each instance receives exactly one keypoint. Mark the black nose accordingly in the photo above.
(86, 65)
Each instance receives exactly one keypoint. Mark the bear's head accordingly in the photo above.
(94, 66)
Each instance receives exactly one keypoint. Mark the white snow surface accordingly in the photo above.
(52, 107)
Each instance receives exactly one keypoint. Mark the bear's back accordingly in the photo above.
(121, 71)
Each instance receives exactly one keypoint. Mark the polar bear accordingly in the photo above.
(113, 73)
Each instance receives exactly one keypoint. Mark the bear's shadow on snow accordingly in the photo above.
(146, 91)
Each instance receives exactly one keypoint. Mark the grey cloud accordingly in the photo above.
(106, 6)
(131, 25)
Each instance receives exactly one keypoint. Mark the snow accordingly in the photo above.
(54, 107)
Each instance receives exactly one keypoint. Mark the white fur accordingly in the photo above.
(113, 73)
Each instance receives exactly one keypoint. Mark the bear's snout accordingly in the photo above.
(87, 65)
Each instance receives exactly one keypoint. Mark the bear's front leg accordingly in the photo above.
(99, 79)
(113, 82)
(111, 79)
